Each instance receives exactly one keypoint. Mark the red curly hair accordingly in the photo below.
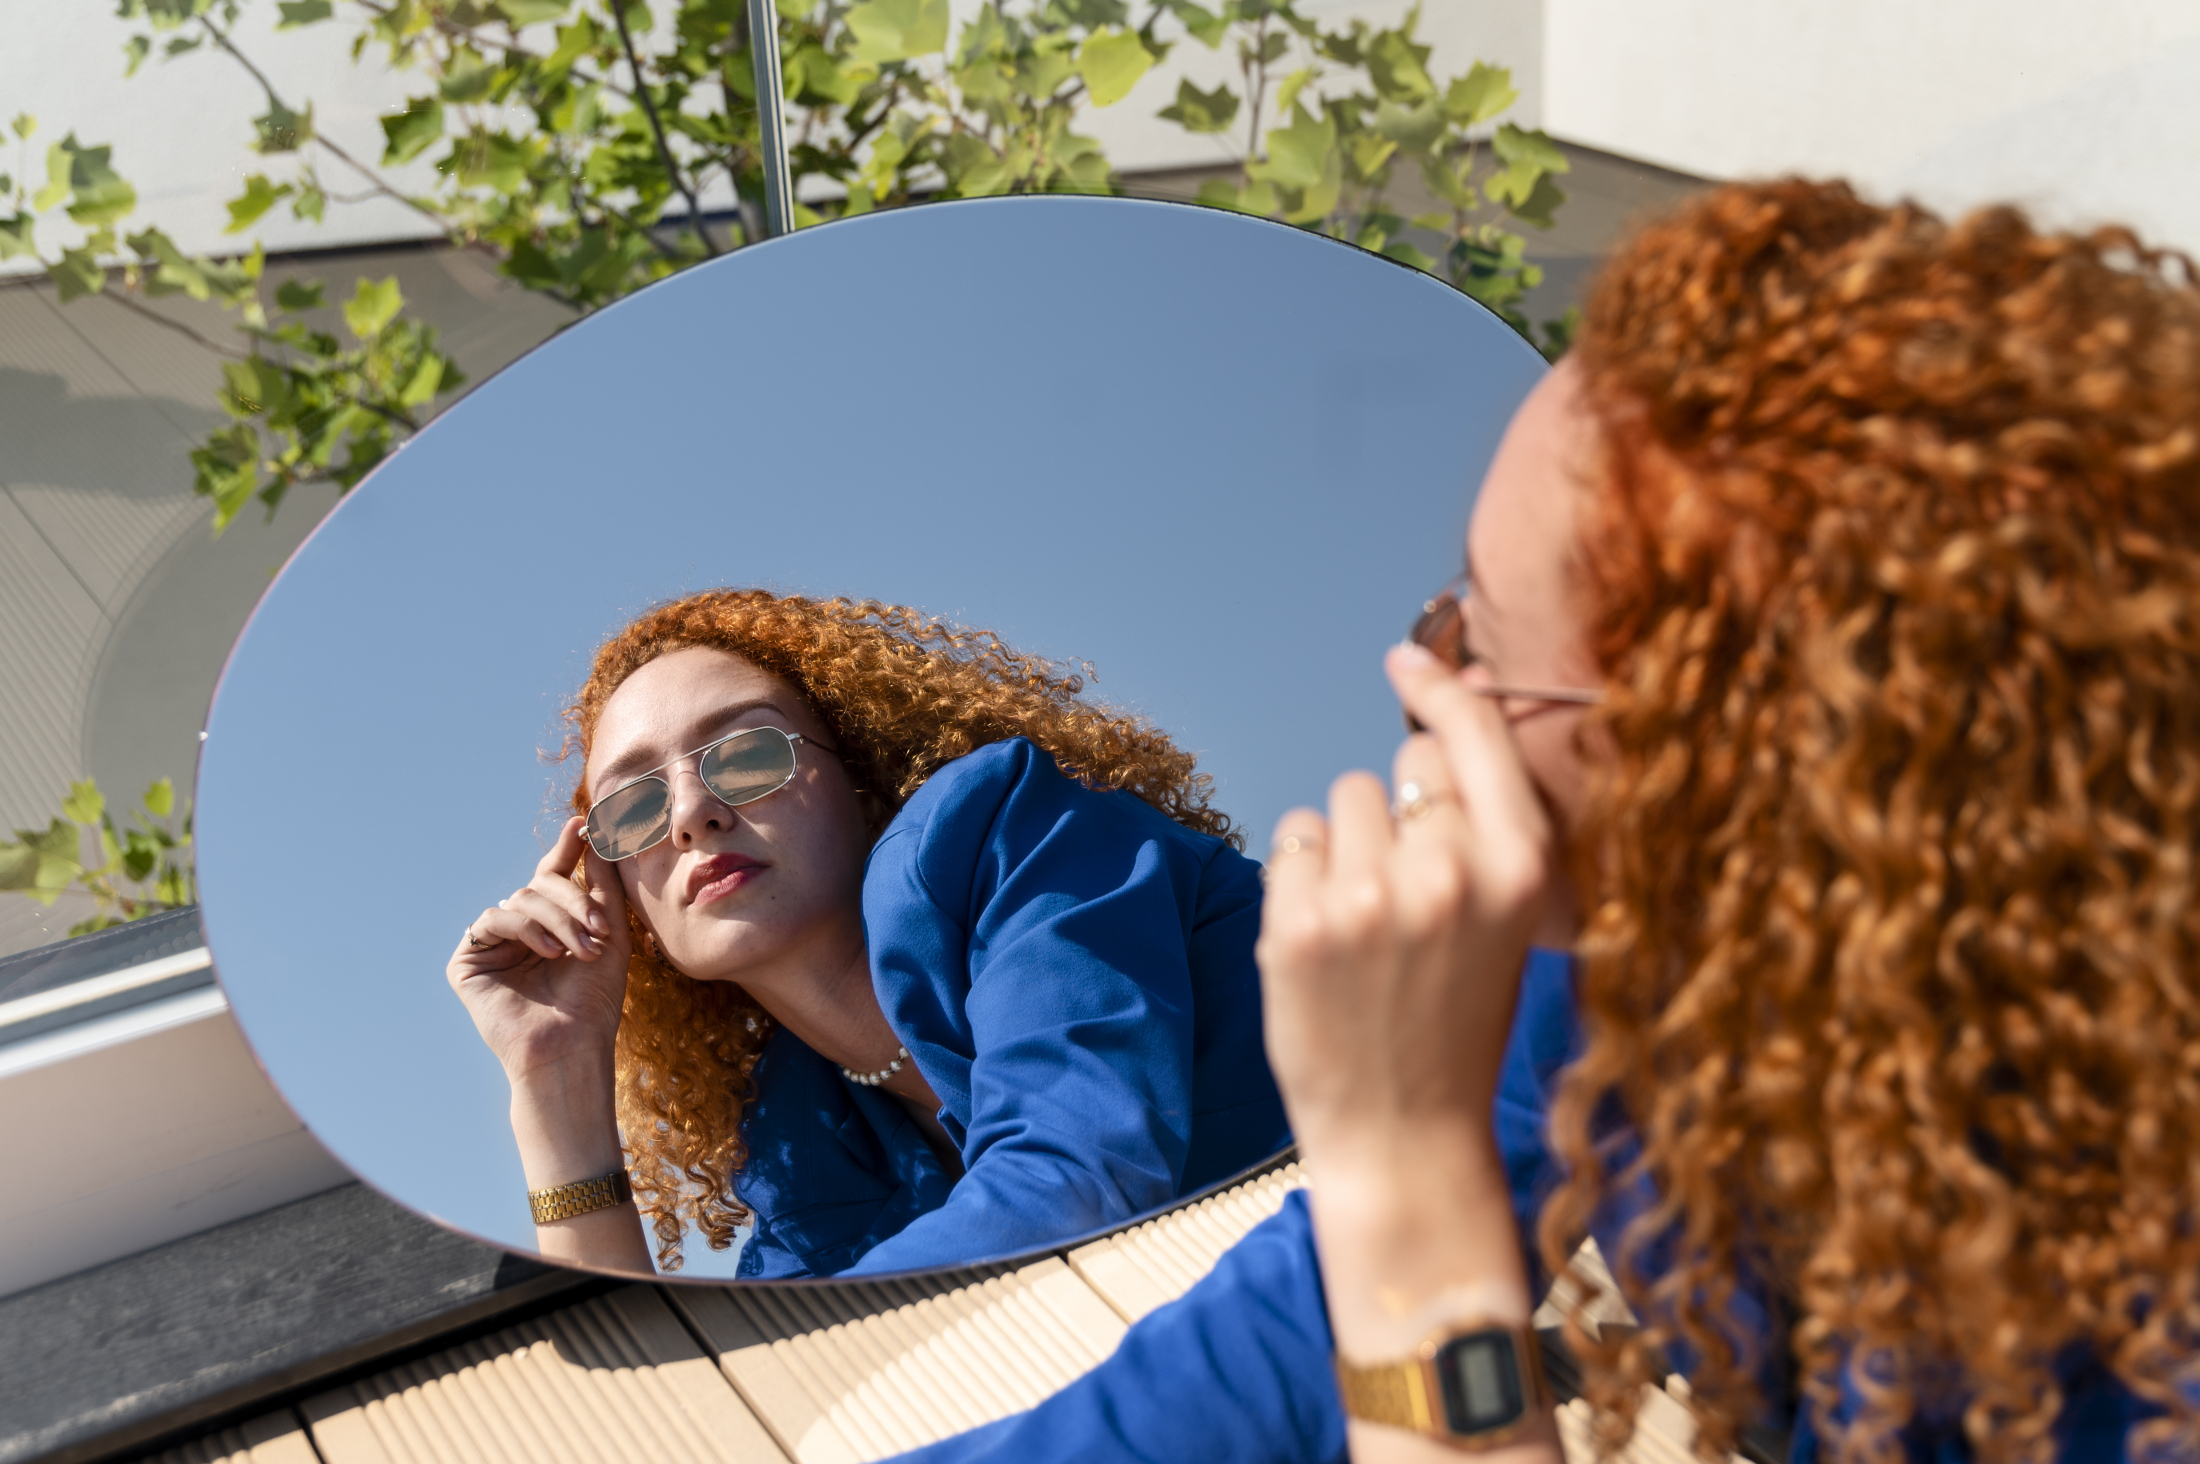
(901, 695)
(1892, 951)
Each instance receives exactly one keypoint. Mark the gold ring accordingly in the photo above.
(1412, 803)
(1293, 844)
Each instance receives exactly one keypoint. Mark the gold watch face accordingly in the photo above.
(1480, 1382)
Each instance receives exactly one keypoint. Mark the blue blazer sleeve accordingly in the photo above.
(1030, 938)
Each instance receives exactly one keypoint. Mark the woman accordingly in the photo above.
(883, 936)
(1830, 684)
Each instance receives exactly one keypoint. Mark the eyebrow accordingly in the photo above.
(621, 768)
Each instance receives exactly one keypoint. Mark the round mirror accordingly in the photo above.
(1217, 461)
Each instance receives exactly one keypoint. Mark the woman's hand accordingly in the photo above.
(543, 974)
(1390, 953)
(1391, 944)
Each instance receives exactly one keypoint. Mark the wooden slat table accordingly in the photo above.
(816, 1374)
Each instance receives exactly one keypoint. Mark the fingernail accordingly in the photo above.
(598, 923)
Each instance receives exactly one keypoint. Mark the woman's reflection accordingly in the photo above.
(870, 929)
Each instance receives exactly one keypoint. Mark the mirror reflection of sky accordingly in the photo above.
(1222, 460)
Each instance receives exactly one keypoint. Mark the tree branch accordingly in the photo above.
(374, 179)
(123, 298)
(664, 149)
(510, 48)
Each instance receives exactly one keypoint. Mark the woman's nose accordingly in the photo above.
(696, 811)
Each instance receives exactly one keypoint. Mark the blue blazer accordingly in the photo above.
(1238, 1370)
(1072, 971)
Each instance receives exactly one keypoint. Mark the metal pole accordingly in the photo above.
(771, 117)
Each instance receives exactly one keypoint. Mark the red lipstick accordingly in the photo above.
(719, 876)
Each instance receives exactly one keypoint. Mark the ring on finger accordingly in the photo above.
(1413, 802)
(1293, 844)
(472, 940)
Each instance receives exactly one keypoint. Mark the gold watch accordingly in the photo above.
(568, 1200)
(1474, 1386)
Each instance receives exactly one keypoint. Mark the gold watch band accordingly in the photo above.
(568, 1200)
(1408, 1392)
(1396, 1393)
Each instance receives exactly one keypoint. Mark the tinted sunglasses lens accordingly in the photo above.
(631, 819)
(1438, 630)
(748, 765)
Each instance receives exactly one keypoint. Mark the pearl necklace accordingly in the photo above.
(872, 1080)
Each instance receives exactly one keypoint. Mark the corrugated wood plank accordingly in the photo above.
(1150, 1265)
(868, 1370)
(274, 1438)
(615, 1378)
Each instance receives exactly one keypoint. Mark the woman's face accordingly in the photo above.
(1523, 619)
(735, 894)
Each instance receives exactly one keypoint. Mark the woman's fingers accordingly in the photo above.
(1510, 830)
(564, 916)
(504, 924)
(606, 893)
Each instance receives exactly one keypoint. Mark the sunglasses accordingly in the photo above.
(739, 769)
(1442, 632)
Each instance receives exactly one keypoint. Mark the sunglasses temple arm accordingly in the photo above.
(1574, 696)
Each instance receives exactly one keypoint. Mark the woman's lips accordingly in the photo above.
(720, 875)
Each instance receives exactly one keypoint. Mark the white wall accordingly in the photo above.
(2086, 112)
(182, 131)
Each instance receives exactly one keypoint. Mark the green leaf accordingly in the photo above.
(1111, 63)
(425, 381)
(160, 799)
(1534, 201)
(282, 130)
(23, 125)
(57, 179)
(136, 49)
(85, 803)
(976, 171)
(1370, 152)
(299, 295)
(1198, 111)
(258, 197)
(97, 196)
(302, 12)
(531, 12)
(1405, 253)
(814, 78)
(490, 160)
(15, 236)
(1398, 67)
(1524, 150)
(228, 469)
(467, 78)
(411, 130)
(1206, 27)
(255, 386)
(895, 30)
(1287, 95)
(1297, 153)
(76, 274)
(1416, 129)
(373, 306)
(1480, 95)
(310, 203)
